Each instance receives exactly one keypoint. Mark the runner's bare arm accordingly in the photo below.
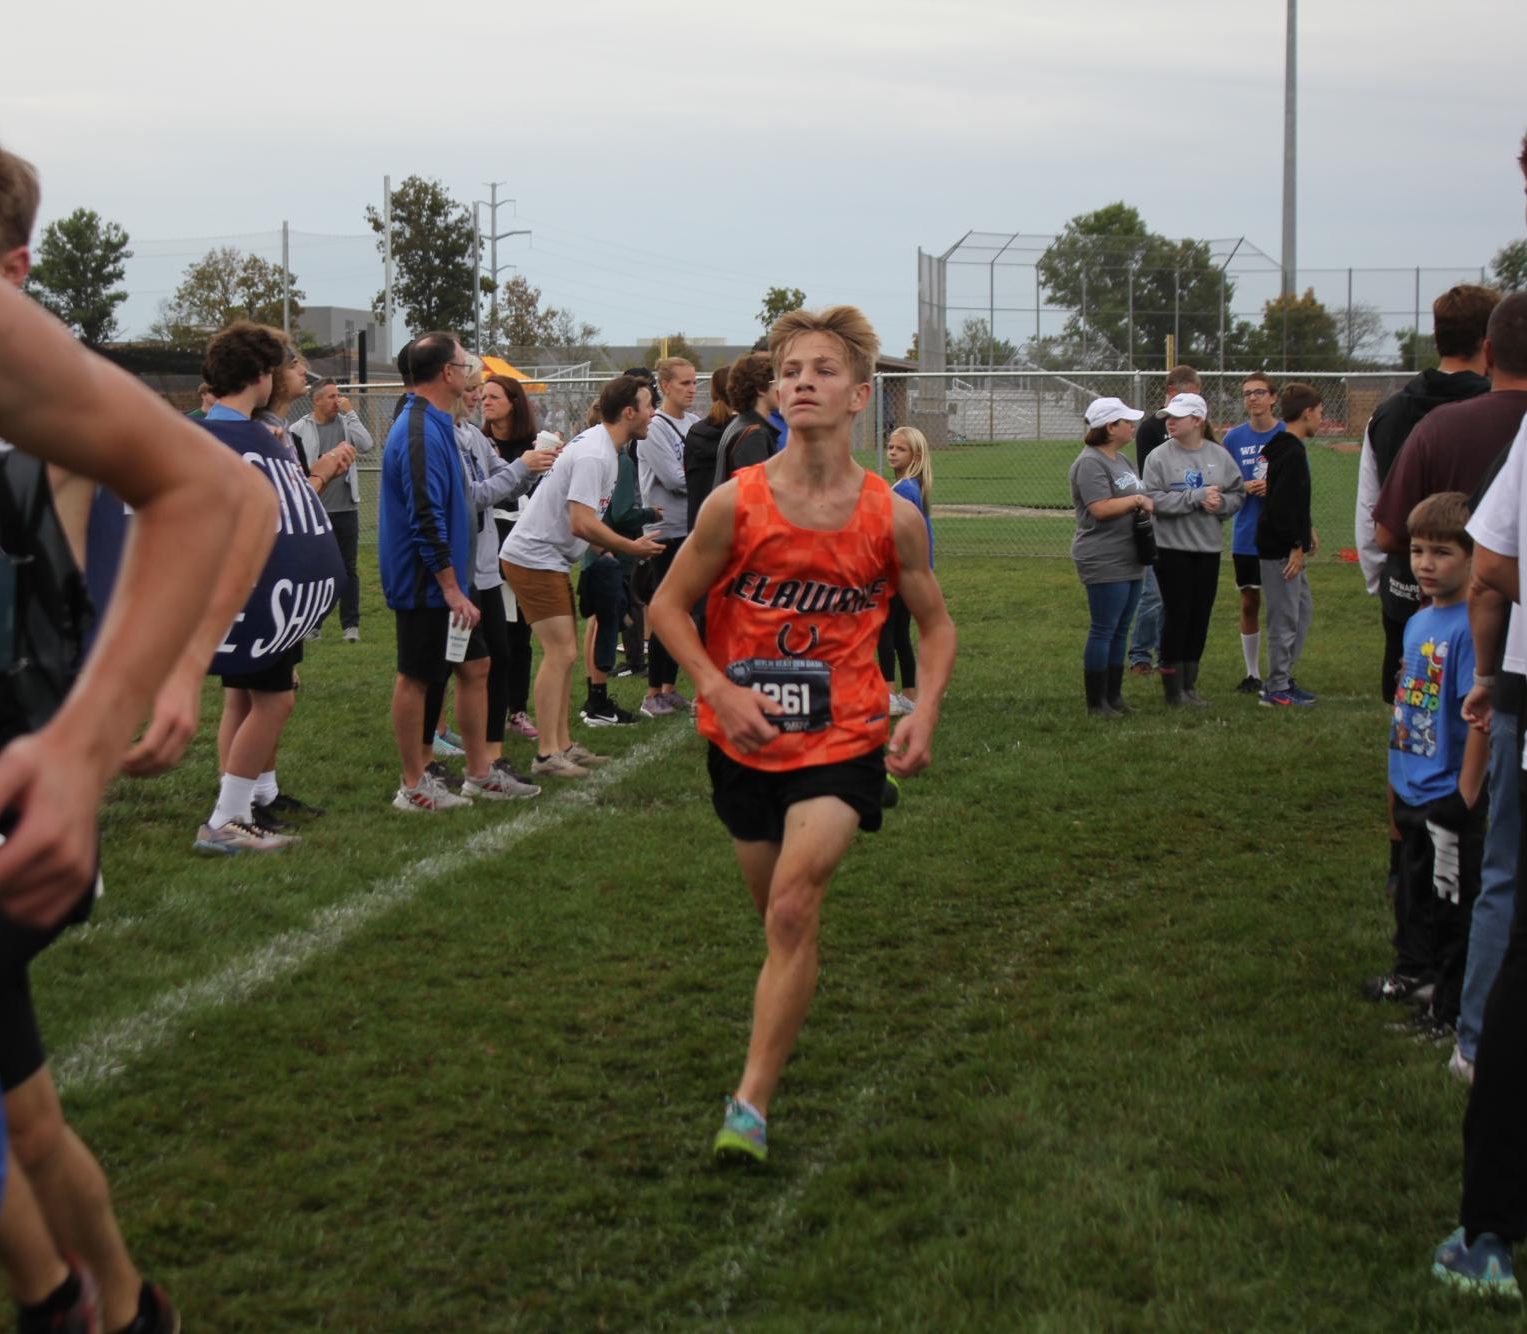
(693, 573)
(72, 408)
(177, 706)
(911, 747)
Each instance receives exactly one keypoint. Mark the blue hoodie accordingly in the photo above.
(423, 522)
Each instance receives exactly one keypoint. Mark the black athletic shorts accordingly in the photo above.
(752, 802)
(1248, 571)
(21, 1050)
(272, 680)
(422, 633)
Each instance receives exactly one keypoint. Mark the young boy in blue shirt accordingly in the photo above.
(1244, 443)
(1437, 767)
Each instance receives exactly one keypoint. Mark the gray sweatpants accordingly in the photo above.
(1289, 611)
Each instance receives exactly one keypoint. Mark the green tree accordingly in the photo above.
(1297, 333)
(1107, 262)
(434, 284)
(678, 346)
(80, 262)
(1508, 270)
(975, 346)
(524, 322)
(779, 301)
(1416, 354)
(225, 285)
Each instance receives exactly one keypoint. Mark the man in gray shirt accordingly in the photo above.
(331, 423)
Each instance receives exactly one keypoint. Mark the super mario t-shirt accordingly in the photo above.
(1427, 734)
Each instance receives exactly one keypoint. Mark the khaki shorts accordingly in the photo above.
(540, 593)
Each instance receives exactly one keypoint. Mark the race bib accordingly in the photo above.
(797, 691)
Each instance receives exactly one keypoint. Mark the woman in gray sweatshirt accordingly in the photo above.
(1195, 486)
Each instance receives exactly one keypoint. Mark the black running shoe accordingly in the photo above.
(289, 808)
(608, 714)
(156, 1313)
(265, 818)
(1395, 987)
(1252, 685)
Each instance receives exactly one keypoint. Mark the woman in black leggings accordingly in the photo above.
(1195, 486)
(509, 422)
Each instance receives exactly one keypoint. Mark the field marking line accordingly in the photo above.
(103, 1055)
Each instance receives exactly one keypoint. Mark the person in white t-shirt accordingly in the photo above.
(660, 468)
(564, 516)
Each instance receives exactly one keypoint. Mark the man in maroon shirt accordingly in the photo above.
(1454, 445)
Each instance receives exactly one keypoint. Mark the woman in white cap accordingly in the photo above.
(1107, 496)
(1196, 486)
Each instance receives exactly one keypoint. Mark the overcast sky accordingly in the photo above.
(673, 164)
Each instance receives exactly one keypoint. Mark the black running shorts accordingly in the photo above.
(273, 680)
(752, 802)
(1248, 571)
(21, 1050)
(422, 633)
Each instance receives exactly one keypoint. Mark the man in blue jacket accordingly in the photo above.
(425, 532)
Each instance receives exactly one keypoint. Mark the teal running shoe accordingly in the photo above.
(1483, 1269)
(743, 1137)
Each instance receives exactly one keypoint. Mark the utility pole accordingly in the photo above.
(493, 203)
(286, 279)
(387, 266)
(1290, 148)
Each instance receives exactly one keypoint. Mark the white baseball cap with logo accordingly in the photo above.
(1106, 411)
(1185, 405)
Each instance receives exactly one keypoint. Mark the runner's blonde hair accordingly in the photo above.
(845, 323)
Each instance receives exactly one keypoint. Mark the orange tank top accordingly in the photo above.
(796, 616)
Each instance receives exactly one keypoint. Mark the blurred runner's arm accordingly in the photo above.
(74, 409)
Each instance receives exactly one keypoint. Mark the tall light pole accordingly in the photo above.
(1290, 150)
(493, 203)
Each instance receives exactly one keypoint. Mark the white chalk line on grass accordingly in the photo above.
(102, 1056)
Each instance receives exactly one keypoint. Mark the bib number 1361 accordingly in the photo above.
(798, 690)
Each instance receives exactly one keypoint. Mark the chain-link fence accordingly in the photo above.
(1124, 302)
(1002, 443)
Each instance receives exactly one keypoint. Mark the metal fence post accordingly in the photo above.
(1415, 343)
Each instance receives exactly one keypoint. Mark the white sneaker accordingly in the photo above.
(901, 705)
(444, 750)
(584, 756)
(238, 836)
(1460, 1067)
(352, 635)
(497, 785)
(430, 796)
(557, 766)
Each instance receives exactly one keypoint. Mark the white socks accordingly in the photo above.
(233, 801)
(1251, 651)
(265, 790)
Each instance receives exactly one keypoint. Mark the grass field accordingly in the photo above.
(1087, 1052)
(1031, 475)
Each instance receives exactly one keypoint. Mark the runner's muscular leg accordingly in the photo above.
(817, 834)
(33, 1267)
(72, 1190)
(757, 861)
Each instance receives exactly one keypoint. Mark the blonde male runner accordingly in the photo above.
(798, 558)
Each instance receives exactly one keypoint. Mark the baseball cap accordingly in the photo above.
(1185, 405)
(1105, 411)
